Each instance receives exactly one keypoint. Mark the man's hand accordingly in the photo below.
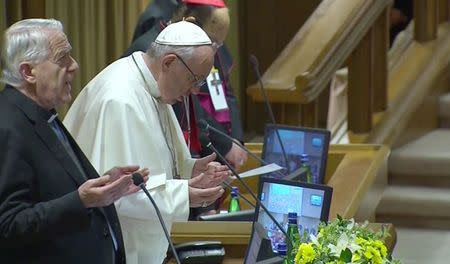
(103, 191)
(202, 165)
(236, 156)
(204, 197)
(133, 188)
(212, 177)
(106, 189)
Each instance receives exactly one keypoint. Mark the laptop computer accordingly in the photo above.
(297, 141)
(311, 202)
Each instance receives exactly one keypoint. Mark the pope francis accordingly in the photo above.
(125, 112)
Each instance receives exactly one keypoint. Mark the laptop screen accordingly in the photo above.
(311, 202)
(297, 141)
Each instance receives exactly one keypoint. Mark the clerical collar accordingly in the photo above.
(150, 83)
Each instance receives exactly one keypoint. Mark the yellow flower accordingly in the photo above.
(356, 256)
(368, 253)
(381, 247)
(322, 231)
(306, 254)
(360, 241)
(373, 254)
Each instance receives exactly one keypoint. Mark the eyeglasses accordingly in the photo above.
(198, 82)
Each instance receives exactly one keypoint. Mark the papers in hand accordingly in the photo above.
(260, 170)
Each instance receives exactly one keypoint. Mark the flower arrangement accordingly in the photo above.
(343, 241)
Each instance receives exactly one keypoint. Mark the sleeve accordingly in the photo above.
(23, 221)
(235, 118)
(123, 136)
(222, 144)
(226, 61)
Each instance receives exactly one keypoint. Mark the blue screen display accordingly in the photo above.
(316, 200)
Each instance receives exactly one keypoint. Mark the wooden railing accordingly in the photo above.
(355, 34)
(323, 44)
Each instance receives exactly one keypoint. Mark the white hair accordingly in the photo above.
(159, 50)
(26, 40)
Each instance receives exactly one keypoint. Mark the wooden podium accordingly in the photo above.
(357, 173)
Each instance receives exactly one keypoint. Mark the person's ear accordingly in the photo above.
(167, 61)
(191, 19)
(28, 72)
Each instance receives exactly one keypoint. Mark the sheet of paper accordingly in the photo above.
(261, 170)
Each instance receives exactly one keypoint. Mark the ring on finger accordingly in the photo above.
(204, 204)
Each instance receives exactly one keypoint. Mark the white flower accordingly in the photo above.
(351, 224)
(314, 239)
(342, 244)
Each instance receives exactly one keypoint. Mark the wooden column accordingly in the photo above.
(443, 11)
(291, 114)
(426, 20)
(323, 101)
(360, 83)
(381, 47)
(310, 114)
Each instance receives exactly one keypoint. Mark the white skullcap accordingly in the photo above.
(183, 34)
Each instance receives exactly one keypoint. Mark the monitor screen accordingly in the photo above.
(297, 141)
(311, 202)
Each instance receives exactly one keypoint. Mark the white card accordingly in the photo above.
(260, 170)
(216, 90)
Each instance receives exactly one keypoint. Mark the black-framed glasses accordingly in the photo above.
(198, 82)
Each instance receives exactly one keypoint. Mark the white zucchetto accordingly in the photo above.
(183, 33)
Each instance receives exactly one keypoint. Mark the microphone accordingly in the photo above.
(139, 181)
(204, 140)
(255, 65)
(205, 126)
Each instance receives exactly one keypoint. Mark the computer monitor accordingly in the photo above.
(311, 202)
(249, 215)
(297, 141)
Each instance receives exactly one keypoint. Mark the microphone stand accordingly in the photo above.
(139, 181)
(254, 62)
(210, 146)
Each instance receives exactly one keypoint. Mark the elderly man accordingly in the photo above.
(126, 110)
(54, 208)
(215, 103)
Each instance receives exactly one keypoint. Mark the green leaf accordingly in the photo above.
(346, 255)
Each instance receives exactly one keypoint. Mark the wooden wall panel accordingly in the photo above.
(266, 28)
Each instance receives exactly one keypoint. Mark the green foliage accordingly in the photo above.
(344, 241)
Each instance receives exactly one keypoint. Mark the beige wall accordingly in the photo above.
(99, 30)
(232, 42)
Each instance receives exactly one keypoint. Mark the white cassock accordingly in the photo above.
(116, 120)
